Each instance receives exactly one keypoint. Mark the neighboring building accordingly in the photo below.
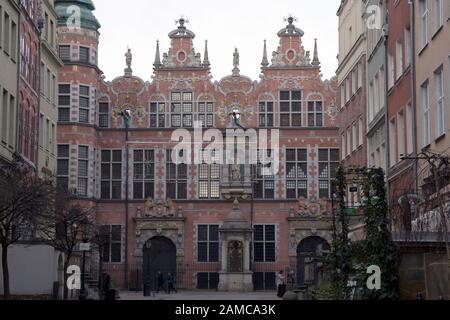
(376, 89)
(352, 92)
(50, 65)
(34, 267)
(429, 261)
(158, 215)
(401, 113)
(27, 144)
(9, 61)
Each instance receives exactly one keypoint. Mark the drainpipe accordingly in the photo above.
(386, 105)
(413, 92)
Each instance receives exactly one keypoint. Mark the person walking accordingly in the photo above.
(160, 281)
(281, 286)
(171, 287)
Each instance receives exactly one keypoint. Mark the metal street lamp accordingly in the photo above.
(127, 121)
(84, 247)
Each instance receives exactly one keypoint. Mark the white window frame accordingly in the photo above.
(440, 101)
(426, 125)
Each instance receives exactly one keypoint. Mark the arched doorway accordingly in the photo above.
(160, 255)
(308, 252)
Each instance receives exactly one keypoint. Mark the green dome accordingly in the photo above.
(88, 20)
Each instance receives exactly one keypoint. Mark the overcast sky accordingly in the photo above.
(226, 24)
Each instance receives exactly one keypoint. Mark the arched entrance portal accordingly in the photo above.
(307, 263)
(160, 255)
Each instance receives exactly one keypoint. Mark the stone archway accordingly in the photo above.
(160, 255)
(307, 263)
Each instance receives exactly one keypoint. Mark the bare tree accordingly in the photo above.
(65, 229)
(24, 197)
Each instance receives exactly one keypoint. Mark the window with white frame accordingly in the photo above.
(423, 5)
(111, 174)
(266, 114)
(354, 136)
(438, 14)
(63, 154)
(376, 95)
(181, 109)
(103, 114)
(371, 101)
(409, 129)
(83, 167)
(328, 165)
(401, 134)
(343, 149)
(354, 82)
(391, 76)
(349, 141)
(408, 46)
(157, 115)
(64, 103)
(208, 243)
(440, 103)
(360, 75)
(347, 89)
(291, 108)
(143, 174)
(360, 131)
(206, 114)
(84, 101)
(393, 142)
(296, 173)
(264, 241)
(399, 58)
(425, 101)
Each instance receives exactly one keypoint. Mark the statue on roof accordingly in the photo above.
(128, 60)
(236, 62)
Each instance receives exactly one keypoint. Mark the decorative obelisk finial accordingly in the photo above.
(316, 61)
(157, 63)
(206, 62)
(236, 70)
(265, 62)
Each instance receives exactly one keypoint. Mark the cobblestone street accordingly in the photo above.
(201, 295)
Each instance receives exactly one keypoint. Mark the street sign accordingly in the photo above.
(85, 246)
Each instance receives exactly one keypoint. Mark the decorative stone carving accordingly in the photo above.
(161, 209)
(311, 207)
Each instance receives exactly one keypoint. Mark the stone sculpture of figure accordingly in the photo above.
(235, 173)
(129, 58)
(236, 58)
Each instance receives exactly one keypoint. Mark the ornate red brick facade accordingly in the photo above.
(181, 91)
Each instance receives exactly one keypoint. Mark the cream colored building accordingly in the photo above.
(50, 64)
(432, 44)
(9, 28)
(432, 65)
